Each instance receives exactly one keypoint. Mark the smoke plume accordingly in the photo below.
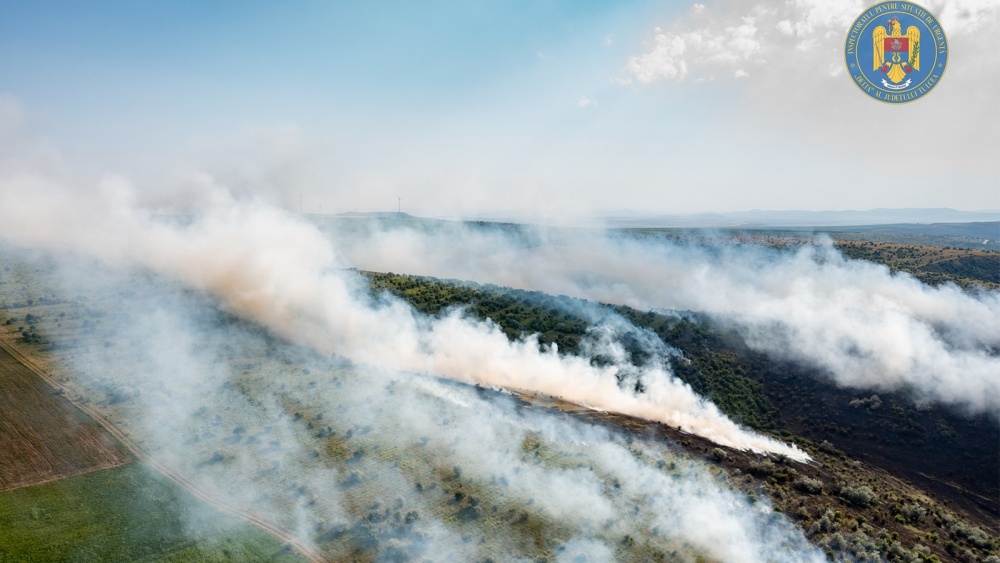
(395, 461)
(865, 326)
(284, 273)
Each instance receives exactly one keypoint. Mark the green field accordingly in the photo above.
(128, 513)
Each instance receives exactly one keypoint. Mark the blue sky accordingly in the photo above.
(537, 107)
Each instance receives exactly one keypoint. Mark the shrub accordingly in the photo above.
(836, 541)
(353, 478)
(829, 448)
(762, 468)
(913, 512)
(974, 536)
(860, 496)
(809, 485)
(871, 403)
(896, 552)
(827, 523)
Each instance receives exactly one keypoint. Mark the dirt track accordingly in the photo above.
(304, 548)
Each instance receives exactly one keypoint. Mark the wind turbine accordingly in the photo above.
(399, 204)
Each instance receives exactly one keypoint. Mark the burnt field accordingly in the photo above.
(43, 437)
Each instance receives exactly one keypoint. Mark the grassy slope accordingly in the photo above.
(128, 513)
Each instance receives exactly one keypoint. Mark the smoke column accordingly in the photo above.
(863, 325)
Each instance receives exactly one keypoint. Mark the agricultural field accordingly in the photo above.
(68, 489)
(42, 436)
(128, 513)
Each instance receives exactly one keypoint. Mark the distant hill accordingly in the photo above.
(985, 230)
(375, 215)
(979, 235)
(764, 218)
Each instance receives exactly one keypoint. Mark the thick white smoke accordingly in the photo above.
(866, 327)
(282, 272)
(246, 416)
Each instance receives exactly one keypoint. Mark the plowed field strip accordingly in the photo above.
(42, 436)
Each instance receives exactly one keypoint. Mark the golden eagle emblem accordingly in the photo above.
(895, 54)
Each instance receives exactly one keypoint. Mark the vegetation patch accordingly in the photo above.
(128, 513)
(934, 265)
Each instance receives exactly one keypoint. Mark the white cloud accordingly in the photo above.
(797, 33)
(674, 52)
(664, 61)
(585, 102)
(811, 17)
(965, 16)
(789, 59)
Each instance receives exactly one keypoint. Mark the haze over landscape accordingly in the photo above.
(540, 108)
(549, 281)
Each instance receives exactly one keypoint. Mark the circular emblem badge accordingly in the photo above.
(896, 52)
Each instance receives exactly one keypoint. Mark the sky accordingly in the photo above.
(542, 108)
